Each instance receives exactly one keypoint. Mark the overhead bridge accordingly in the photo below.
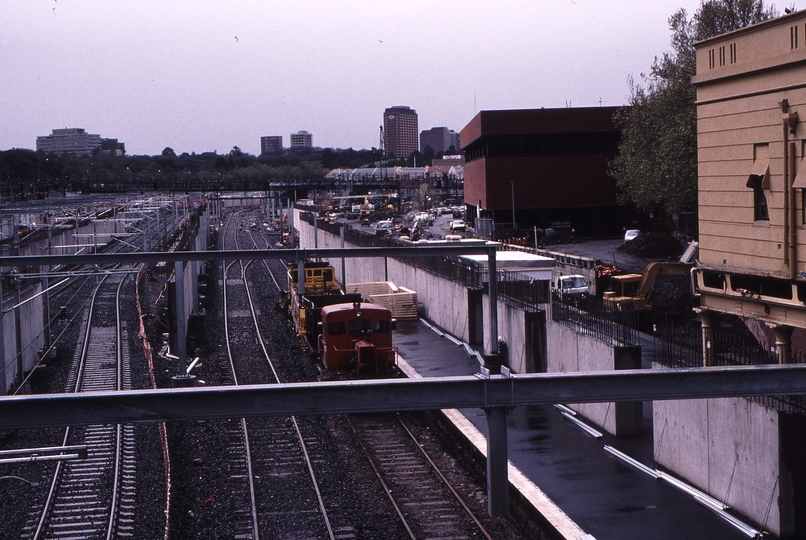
(495, 394)
(389, 395)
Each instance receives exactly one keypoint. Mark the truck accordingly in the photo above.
(571, 287)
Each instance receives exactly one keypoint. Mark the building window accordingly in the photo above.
(759, 180)
(793, 37)
(760, 211)
(711, 61)
(732, 53)
(722, 56)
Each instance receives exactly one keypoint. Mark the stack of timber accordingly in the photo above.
(402, 302)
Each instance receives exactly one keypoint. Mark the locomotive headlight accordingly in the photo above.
(357, 313)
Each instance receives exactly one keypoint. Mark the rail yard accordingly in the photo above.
(335, 476)
(159, 294)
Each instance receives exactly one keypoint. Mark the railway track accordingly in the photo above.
(68, 287)
(286, 465)
(424, 499)
(310, 478)
(426, 503)
(94, 498)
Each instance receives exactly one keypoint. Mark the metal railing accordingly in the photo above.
(591, 317)
(678, 343)
(514, 288)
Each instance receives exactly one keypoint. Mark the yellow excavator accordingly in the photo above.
(633, 291)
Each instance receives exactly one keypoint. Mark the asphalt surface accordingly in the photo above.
(605, 497)
(607, 252)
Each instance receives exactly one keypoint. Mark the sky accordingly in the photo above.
(204, 75)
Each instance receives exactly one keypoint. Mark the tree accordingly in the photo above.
(656, 168)
(421, 199)
(721, 16)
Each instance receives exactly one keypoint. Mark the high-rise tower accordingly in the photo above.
(400, 131)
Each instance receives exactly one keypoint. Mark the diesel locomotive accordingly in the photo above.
(349, 336)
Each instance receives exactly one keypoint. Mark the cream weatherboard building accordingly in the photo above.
(751, 95)
(751, 87)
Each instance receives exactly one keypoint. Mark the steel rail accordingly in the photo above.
(400, 514)
(49, 500)
(245, 432)
(444, 480)
(303, 445)
(116, 480)
(266, 265)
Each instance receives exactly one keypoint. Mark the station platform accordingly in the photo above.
(563, 471)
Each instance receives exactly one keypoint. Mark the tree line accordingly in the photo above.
(28, 166)
(19, 165)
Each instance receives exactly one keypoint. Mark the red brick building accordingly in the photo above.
(400, 131)
(550, 165)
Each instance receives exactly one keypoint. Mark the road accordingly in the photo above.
(607, 252)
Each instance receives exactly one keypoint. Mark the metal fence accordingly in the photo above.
(514, 288)
(678, 343)
(591, 317)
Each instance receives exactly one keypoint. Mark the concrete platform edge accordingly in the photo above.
(542, 504)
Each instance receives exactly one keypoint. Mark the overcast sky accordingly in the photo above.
(204, 75)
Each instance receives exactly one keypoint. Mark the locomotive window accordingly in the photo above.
(336, 329)
(359, 327)
(328, 275)
(380, 326)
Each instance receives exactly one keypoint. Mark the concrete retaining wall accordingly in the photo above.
(448, 305)
(569, 352)
(741, 452)
(31, 317)
(442, 301)
(512, 328)
(190, 285)
(730, 449)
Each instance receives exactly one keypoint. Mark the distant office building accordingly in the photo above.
(113, 147)
(74, 141)
(301, 139)
(439, 139)
(400, 131)
(271, 145)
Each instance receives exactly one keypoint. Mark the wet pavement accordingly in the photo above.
(604, 496)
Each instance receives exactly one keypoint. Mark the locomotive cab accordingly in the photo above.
(357, 338)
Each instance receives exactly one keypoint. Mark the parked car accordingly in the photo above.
(631, 234)
(383, 227)
(458, 225)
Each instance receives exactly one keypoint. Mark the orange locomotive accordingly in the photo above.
(357, 338)
(349, 337)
